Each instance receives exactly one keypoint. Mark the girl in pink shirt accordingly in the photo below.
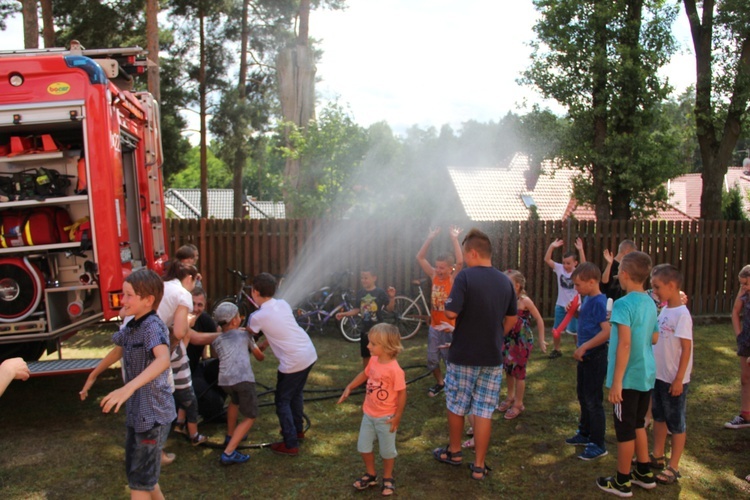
(385, 399)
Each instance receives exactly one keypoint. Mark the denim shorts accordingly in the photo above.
(560, 313)
(143, 456)
(472, 389)
(668, 408)
(436, 338)
(377, 427)
(184, 399)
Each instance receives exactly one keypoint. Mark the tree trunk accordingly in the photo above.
(152, 45)
(240, 154)
(599, 171)
(48, 24)
(30, 24)
(716, 150)
(202, 98)
(295, 69)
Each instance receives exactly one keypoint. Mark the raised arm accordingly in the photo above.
(457, 252)
(551, 248)
(422, 253)
(581, 253)
(606, 274)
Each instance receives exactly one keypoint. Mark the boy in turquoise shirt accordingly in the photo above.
(631, 373)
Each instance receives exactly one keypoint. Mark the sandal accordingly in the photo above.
(469, 443)
(479, 470)
(505, 405)
(389, 486)
(668, 476)
(513, 412)
(447, 457)
(656, 463)
(366, 481)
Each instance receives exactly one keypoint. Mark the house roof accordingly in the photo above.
(502, 193)
(186, 204)
(685, 190)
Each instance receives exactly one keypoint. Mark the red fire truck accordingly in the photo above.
(81, 196)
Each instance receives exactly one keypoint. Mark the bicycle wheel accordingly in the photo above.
(303, 319)
(245, 309)
(350, 328)
(407, 317)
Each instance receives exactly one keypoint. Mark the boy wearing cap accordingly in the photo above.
(236, 378)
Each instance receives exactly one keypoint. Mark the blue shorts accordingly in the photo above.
(572, 327)
(436, 338)
(473, 389)
(143, 456)
(377, 427)
(668, 408)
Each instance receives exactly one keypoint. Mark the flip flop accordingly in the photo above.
(505, 405)
(513, 412)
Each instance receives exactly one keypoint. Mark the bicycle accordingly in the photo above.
(241, 299)
(318, 309)
(409, 313)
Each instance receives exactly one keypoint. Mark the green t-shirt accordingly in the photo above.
(638, 311)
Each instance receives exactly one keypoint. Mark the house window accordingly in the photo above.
(528, 201)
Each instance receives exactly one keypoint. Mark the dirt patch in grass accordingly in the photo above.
(55, 446)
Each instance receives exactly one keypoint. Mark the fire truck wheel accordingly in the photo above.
(20, 289)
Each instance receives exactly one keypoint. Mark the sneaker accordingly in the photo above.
(610, 485)
(592, 452)
(646, 481)
(198, 439)
(180, 428)
(235, 458)
(578, 440)
(281, 449)
(738, 422)
(435, 390)
(555, 354)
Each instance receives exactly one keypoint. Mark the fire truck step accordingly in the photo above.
(62, 367)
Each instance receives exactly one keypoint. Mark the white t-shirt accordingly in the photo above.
(675, 323)
(290, 343)
(175, 295)
(565, 289)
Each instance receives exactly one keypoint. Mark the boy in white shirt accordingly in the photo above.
(673, 354)
(296, 354)
(565, 289)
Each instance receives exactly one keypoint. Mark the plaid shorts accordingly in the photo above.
(473, 389)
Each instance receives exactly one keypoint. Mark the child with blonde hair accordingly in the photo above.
(518, 344)
(385, 399)
(741, 309)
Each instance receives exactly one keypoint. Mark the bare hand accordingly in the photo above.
(344, 395)
(391, 292)
(543, 346)
(579, 244)
(434, 231)
(578, 354)
(683, 298)
(676, 388)
(557, 243)
(608, 256)
(394, 423)
(115, 399)
(455, 231)
(16, 367)
(615, 394)
(85, 391)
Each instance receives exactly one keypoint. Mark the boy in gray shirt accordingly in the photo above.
(236, 378)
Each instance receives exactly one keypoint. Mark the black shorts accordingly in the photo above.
(184, 399)
(363, 341)
(244, 396)
(630, 414)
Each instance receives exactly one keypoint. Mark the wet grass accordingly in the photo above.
(54, 446)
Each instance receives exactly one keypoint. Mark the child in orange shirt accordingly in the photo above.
(385, 399)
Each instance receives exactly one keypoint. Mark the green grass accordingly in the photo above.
(55, 446)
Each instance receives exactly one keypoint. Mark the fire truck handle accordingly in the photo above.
(143, 203)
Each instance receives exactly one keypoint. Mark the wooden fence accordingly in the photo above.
(710, 254)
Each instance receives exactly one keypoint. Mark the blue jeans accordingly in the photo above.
(290, 404)
(591, 374)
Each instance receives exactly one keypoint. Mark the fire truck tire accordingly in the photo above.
(21, 289)
(29, 351)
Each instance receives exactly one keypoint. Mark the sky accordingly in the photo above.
(430, 62)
